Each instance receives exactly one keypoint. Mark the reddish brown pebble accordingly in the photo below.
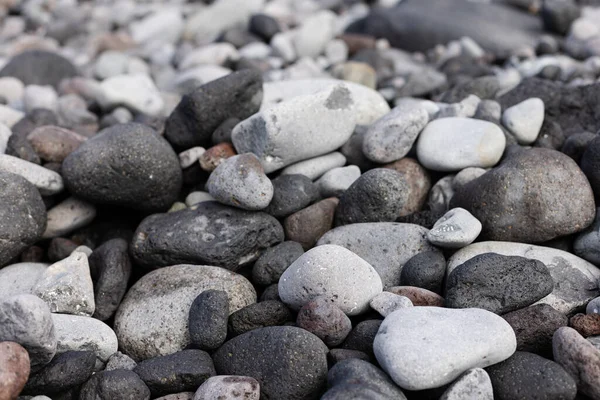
(357, 42)
(215, 155)
(54, 144)
(33, 254)
(14, 369)
(419, 180)
(324, 319)
(418, 296)
(309, 224)
(586, 324)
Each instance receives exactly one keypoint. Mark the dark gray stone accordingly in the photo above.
(199, 114)
(377, 196)
(223, 132)
(534, 327)
(497, 283)
(484, 87)
(522, 199)
(263, 26)
(259, 315)
(274, 261)
(39, 67)
(590, 164)
(291, 193)
(271, 292)
(575, 145)
(558, 15)
(362, 336)
(529, 376)
(127, 165)
(118, 384)
(65, 371)
(336, 355)
(18, 145)
(110, 268)
(425, 270)
(208, 319)
(183, 371)
(22, 216)
(289, 362)
(212, 234)
(60, 248)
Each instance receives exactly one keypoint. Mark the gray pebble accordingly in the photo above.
(208, 319)
(386, 303)
(336, 181)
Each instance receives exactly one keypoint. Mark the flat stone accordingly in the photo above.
(197, 197)
(387, 246)
(46, 181)
(78, 333)
(20, 278)
(479, 339)
(136, 92)
(152, 319)
(314, 168)
(14, 369)
(451, 144)
(282, 135)
(337, 180)
(457, 228)
(228, 386)
(68, 216)
(473, 384)
(309, 224)
(386, 303)
(325, 320)
(524, 120)
(333, 272)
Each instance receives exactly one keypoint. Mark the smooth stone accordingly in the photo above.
(211, 233)
(217, 53)
(64, 372)
(54, 144)
(576, 144)
(259, 315)
(164, 26)
(66, 286)
(334, 272)
(480, 338)
(386, 303)
(120, 361)
(473, 384)
(466, 108)
(46, 181)
(127, 165)
(14, 369)
(264, 26)
(240, 181)
(110, 269)
(337, 180)
(391, 137)
(178, 372)
(531, 209)
(10, 117)
(26, 320)
(357, 72)
(425, 270)
(291, 193)
(524, 120)
(314, 168)
(315, 32)
(228, 387)
(68, 216)
(452, 144)
(282, 135)
(152, 319)
(39, 67)
(110, 63)
(337, 355)
(136, 92)
(579, 358)
(271, 355)
(208, 319)
(418, 296)
(214, 156)
(370, 105)
(362, 336)
(36, 96)
(576, 280)
(11, 89)
(78, 333)
(465, 176)
(5, 134)
(593, 306)
(586, 243)
(274, 261)
(378, 195)
(190, 156)
(387, 246)
(456, 229)
(107, 385)
(586, 324)
(311, 223)
(325, 320)
(418, 180)
(201, 112)
(20, 278)
(197, 197)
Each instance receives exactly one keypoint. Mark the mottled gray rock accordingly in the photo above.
(46, 181)
(152, 319)
(228, 386)
(78, 333)
(391, 137)
(115, 384)
(66, 286)
(473, 384)
(68, 216)
(336, 181)
(240, 181)
(457, 228)
(326, 320)
(25, 319)
(190, 156)
(315, 167)
(20, 278)
(292, 131)
(291, 193)
(333, 272)
(119, 361)
(271, 355)
(480, 338)
(387, 246)
(210, 233)
(524, 120)
(386, 303)
(274, 261)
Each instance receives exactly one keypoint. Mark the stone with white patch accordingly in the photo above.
(457, 228)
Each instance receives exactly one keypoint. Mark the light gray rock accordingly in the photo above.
(11, 89)
(120, 361)
(283, 46)
(20, 278)
(197, 197)
(593, 306)
(78, 333)
(387, 246)
(298, 129)
(336, 51)
(465, 176)
(9, 116)
(440, 195)
(136, 92)
(391, 137)
(576, 280)
(386, 303)
(473, 384)
(5, 134)
(466, 108)
(67, 216)
(333, 272)
(36, 96)
(111, 63)
(26, 320)
(214, 53)
(152, 319)
(315, 167)
(457, 228)
(335, 182)
(524, 120)
(191, 156)
(240, 181)
(228, 387)
(370, 105)
(587, 243)
(164, 26)
(595, 340)
(256, 50)
(46, 181)
(66, 286)
(457, 340)
(451, 144)
(315, 32)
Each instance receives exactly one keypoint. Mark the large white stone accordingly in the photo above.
(456, 229)
(137, 92)
(315, 32)
(524, 120)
